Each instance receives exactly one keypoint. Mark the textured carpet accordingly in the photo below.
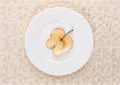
(103, 67)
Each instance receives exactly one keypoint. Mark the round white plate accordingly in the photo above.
(39, 31)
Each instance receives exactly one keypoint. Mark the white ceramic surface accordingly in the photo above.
(39, 31)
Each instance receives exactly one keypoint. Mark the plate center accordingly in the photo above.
(45, 35)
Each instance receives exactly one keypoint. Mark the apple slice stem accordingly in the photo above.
(66, 34)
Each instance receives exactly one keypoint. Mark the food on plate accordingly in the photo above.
(59, 41)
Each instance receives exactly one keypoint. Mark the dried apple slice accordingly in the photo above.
(58, 49)
(68, 43)
(63, 46)
(55, 37)
(59, 41)
(59, 32)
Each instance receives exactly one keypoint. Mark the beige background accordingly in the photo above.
(103, 66)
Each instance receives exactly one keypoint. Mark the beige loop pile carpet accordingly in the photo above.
(103, 67)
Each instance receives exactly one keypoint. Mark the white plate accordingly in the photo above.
(39, 31)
